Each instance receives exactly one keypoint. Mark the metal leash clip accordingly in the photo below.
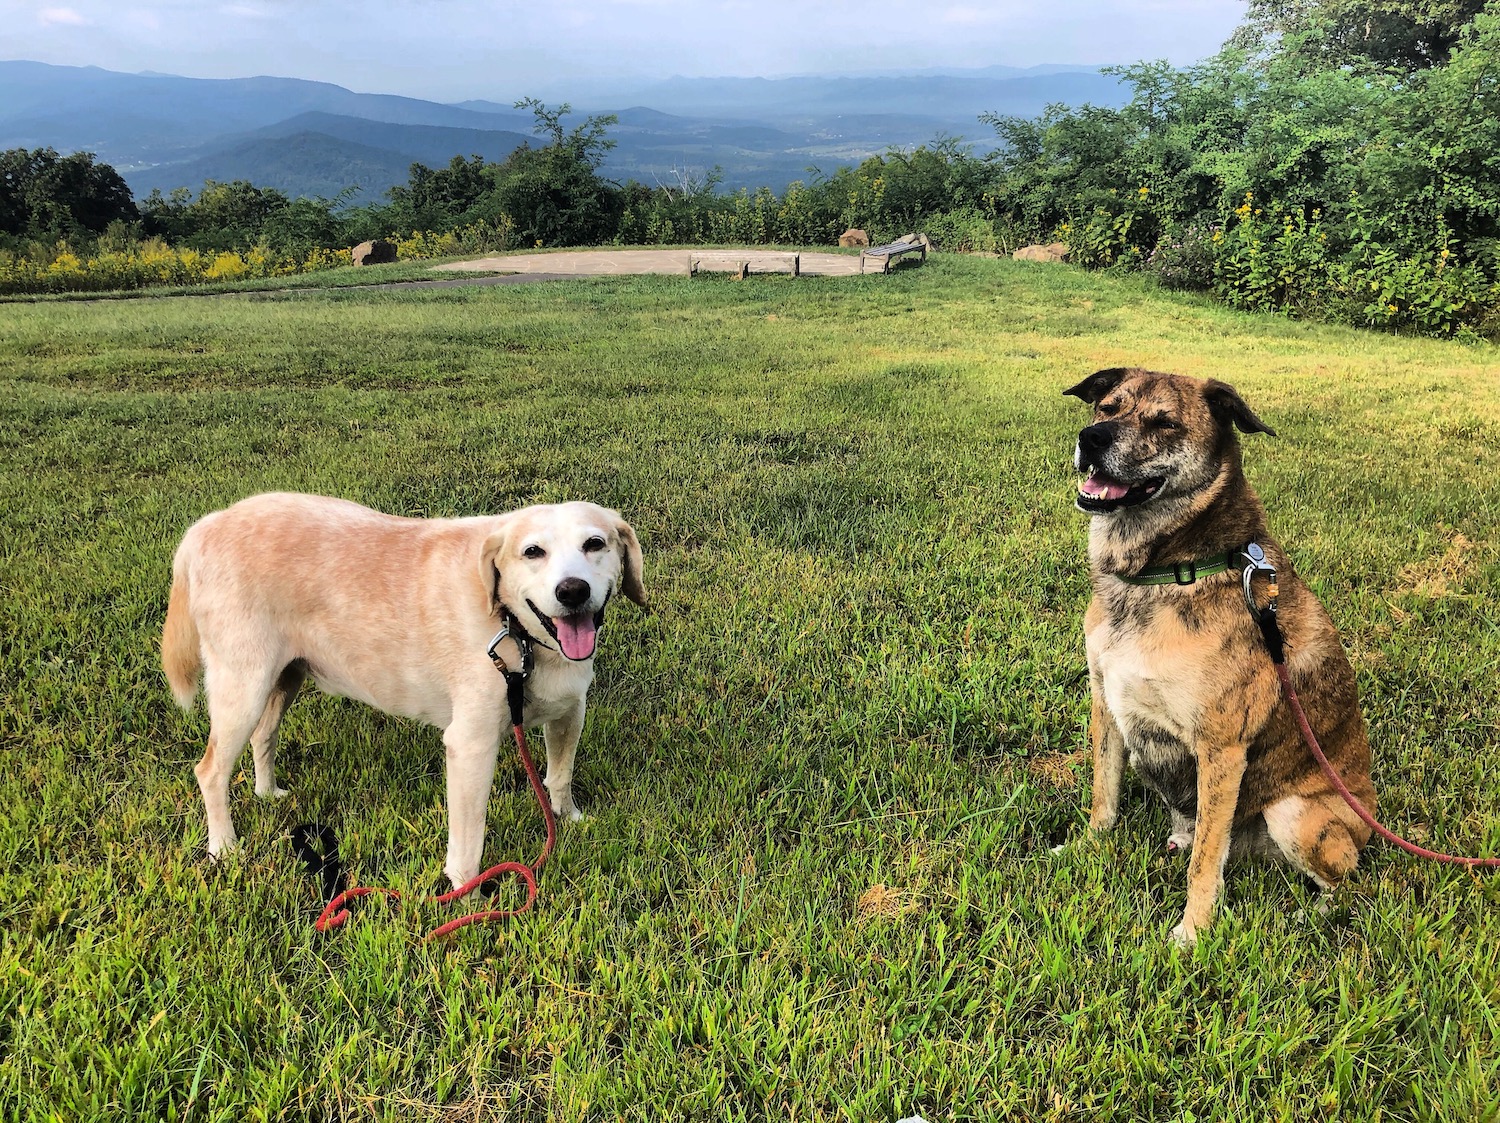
(1255, 562)
(523, 645)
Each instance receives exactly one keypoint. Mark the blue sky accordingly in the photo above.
(455, 49)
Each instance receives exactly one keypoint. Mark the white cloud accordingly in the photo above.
(66, 17)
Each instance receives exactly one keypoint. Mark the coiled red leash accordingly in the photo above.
(335, 913)
(1276, 646)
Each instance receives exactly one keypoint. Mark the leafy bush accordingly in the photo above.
(964, 230)
(1185, 258)
(478, 237)
(145, 264)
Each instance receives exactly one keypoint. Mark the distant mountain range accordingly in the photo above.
(315, 138)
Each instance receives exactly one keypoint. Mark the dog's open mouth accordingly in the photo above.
(1100, 492)
(576, 635)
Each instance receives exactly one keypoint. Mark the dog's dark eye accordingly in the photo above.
(593, 545)
(533, 551)
(1162, 422)
(1108, 409)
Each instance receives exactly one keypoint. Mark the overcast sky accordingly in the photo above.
(455, 49)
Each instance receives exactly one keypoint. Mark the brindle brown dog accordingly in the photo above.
(1182, 685)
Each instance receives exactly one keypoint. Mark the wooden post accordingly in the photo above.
(744, 271)
(796, 265)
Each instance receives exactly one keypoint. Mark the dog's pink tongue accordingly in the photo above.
(1100, 486)
(576, 634)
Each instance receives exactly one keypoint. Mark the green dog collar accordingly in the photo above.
(1183, 573)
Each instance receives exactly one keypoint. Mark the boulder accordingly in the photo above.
(378, 252)
(853, 237)
(1052, 251)
(915, 239)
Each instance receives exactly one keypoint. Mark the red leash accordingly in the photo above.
(1270, 630)
(335, 914)
(1350, 798)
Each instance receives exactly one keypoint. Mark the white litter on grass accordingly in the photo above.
(912, 1119)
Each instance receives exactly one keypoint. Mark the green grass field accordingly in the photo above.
(822, 776)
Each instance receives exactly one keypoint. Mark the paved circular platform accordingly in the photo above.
(600, 263)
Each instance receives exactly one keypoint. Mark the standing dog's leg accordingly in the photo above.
(1109, 762)
(562, 743)
(263, 740)
(471, 746)
(1220, 769)
(235, 703)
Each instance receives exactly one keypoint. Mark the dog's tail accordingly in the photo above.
(181, 655)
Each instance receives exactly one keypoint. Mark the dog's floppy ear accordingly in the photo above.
(489, 572)
(631, 583)
(1227, 405)
(1096, 385)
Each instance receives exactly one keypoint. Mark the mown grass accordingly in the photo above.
(864, 669)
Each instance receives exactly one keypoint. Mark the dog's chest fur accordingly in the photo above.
(555, 688)
(1155, 683)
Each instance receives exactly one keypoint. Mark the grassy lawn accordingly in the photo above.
(822, 776)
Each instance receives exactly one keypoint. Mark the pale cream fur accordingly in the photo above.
(395, 612)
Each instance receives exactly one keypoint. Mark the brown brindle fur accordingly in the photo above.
(1183, 689)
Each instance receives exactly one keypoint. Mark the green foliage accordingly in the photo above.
(1185, 257)
(970, 229)
(442, 198)
(1374, 196)
(1406, 35)
(1273, 261)
(554, 195)
(126, 263)
(238, 216)
(886, 195)
(44, 196)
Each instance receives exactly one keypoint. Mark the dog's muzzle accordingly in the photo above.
(1100, 492)
(575, 633)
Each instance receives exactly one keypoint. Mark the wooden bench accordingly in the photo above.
(884, 255)
(743, 262)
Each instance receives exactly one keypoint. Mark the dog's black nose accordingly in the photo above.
(572, 591)
(1095, 439)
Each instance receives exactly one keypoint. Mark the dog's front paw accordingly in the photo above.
(219, 849)
(459, 877)
(1182, 936)
(563, 806)
(274, 793)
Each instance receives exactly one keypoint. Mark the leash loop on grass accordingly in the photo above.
(335, 913)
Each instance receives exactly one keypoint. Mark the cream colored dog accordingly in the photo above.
(398, 613)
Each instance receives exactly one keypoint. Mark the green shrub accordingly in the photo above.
(1184, 258)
